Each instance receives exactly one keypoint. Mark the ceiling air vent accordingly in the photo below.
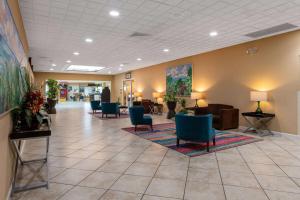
(139, 34)
(271, 30)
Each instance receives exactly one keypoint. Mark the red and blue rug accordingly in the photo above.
(165, 135)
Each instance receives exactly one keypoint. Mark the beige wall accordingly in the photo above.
(228, 75)
(41, 77)
(6, 156)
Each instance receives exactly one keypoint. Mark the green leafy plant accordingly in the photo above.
(53, 89)
(183, 106)
(170, 97)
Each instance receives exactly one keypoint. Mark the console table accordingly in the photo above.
(16, 137)
(199, 110)
(260, 123)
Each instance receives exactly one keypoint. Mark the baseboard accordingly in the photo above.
(275, 132)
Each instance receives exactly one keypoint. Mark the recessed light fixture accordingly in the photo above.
(122, 65)
(51, 69)
(68, 61)
(53, 65)
(213, 33)
(166, 50)
(114, 13)
(89, 40)
(109, 72)
(138, 59)
(84, 68)
(76, 53)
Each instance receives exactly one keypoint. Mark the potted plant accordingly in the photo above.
(52, 95)
(171, 102)
(27, 116)
(183, 106)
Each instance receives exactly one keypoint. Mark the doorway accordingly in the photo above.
(127, 92)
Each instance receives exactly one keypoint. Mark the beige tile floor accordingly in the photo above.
(92, 159)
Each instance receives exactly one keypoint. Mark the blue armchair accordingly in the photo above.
(95, 105)
(137, 117)
(110, 108)
(195, 128)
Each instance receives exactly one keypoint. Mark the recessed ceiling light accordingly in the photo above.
(109, 72)
(76, 53)
(68, 61)
(51, 69)
(166, 50)
(53, 65)
(89, 40)
(138, 59)
(114, 13)
(213, 33)
(84, 68)
(121, 65)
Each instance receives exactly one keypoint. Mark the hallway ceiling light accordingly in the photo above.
(53, 65)
(76, 53)
(51, 69)
(89, 40)
(109, 72)
(122, 65)
(84, 68)
(166, 50)
(114, 13)
(213, 33)
(68, 61)
(138, 59)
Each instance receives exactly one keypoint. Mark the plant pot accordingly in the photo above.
(51, 106)
(171, 106)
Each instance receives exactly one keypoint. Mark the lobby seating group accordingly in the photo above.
(137, 117)
(195, 128)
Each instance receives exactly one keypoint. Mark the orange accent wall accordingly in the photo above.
(228, 75)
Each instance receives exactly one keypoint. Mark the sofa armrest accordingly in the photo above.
(229, 118)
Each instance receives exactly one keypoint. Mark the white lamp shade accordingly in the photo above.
(258, 96)
(197, 95)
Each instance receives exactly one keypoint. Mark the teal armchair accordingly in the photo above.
(137, 117)
(95, 105)
(195, 128)
(110, 108)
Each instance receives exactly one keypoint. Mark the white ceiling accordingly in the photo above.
(57, 28)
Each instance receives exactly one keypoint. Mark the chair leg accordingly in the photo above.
(177, 142)
(214, 141)
(102, 115)
(135, 128)
(207, 146)
(151, 127)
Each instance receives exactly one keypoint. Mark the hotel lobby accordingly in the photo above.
(149, 100)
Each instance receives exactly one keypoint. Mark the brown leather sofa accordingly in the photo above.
(148, 105)
(224, 116)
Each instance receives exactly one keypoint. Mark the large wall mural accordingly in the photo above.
(179, 80)
(13, 62)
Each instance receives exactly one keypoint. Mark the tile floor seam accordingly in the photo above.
(280, 168)
(186, 179)
(220, 176)
(159, 164)
(253, 174)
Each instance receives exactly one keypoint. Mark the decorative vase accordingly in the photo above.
(171, 107)
(51, 106)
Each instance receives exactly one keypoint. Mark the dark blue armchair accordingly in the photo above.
(95, 105)
(110, 108)
(137, 117)
(195, 128)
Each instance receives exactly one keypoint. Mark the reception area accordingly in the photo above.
(149, 100)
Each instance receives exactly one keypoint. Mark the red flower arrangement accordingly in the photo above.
(33, 101)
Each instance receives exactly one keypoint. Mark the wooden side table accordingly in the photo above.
(199, 110)
(19, 135)
(260, 124)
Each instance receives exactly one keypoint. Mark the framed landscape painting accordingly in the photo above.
(179, 80)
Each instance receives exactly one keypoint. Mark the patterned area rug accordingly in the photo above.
(164, 134)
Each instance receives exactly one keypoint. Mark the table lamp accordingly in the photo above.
(258, 97)
(138, 96)
(196, 96)
(156, 95)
